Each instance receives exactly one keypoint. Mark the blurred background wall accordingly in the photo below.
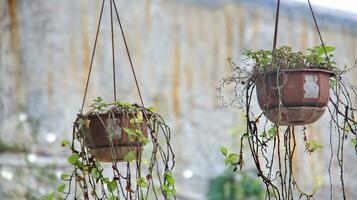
(179, 48)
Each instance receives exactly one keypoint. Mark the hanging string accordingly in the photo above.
(92, 58)
(113, 49)
(276, 26)
(318, 31)
(128, 53)
(315, 22)
(112, 2)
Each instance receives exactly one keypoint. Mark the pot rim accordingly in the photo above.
(303, 70)
(94, 114)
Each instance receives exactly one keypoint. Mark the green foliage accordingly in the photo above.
(130, 156)
(61, 187)
(312, 145)
(169, 185)
(272, 132)
(285, 58)
(230, 158)
(98, 104)
(113, 197)
(50, 196)
(354, 141)
(141, 182)
(136, 134)
(151, 108)
(89, 175)
(65, 177)
(228, 187)
(73, 159)
(112, 185)
(333, 82)
(65, 143)
(95, 173)
(224, 151)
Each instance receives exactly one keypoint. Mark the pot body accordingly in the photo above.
(290, 90)
(106, 138)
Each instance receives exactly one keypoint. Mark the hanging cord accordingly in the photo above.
(128, 53)
(318, 31)
(113, 49)
(273, 57)
(92, 58)
(276, 27)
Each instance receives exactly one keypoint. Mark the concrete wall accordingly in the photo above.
(179, 50)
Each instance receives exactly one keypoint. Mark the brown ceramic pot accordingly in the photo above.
(307, 89)
(97, 138)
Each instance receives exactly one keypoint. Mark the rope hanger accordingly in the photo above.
(315, 22)
(112, 4)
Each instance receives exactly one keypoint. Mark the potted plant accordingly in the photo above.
(112, 130)
(117, 133)
(132, 141)
(292, 88)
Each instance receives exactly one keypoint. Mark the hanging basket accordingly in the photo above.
(106, 138)
(293, 97)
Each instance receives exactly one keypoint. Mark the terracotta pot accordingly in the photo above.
(97, 137)
(307, 88)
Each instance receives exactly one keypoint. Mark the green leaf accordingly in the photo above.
(61, 187)
(142, 182)
(144, 141)
(146, 162)
(233, 157)
(129, 157)
(98, 99)
(273, 131)
(134, 121)
(106, 180)
(354, 141)
(139, 133)
(82, 123)
(151, 108)
(113, 198)
(320, 49)
(95, 173)
(50, 196)
(224, 151)
(123, 104)
(333, 82)
(65, 143)
(112, 185)
(72, 159)
(170, 178)
(168, 190)
(65, 177)
(129, 131)
(312, 146)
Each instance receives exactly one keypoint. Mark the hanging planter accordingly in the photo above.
(292, 88)
(112, 133)
(132, 140)
(300, 98)
(288, 95)
(294, 96)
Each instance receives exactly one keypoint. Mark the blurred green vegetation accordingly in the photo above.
(235, 186)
